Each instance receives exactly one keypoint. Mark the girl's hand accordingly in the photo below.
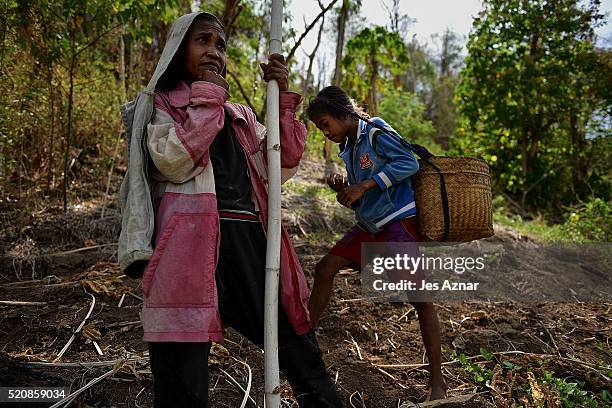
(211, 76)
(336, 182)
(350, 194)
(276, 69)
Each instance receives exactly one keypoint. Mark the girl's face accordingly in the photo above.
(334, 128)
(204, 49)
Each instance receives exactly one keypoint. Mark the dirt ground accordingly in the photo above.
(62, 263)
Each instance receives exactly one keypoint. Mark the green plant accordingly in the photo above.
(571, 394)
(591, 221)
(404, 113)
(480, 373)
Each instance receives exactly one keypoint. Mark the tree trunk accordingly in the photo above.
(50, 172)
(524, 154)
(342, 18)
(371, 98)
(307, 81)
(577, 149)
(231, 11)
(123, 99)
(73, 61)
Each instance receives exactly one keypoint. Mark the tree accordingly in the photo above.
(450, 53)
(374, 56)
(44, 46)
(441, 107)
(398, 22)
(404, 112)
(346, 9)
(523, 77)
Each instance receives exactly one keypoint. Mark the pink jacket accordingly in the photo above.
(180, 301)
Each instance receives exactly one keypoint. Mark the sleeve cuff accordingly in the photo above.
(382, 180)
(209, 91)
(290, 100)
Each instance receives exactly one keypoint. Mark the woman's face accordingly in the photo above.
(204, 49)
(335, 129)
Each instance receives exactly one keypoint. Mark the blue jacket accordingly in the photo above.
(379, 156)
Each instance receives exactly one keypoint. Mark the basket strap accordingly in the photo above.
(425, 155)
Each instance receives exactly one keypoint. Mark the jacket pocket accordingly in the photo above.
(181, 272)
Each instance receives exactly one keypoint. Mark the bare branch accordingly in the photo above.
(92, 42)
(310, 27)
(243, 93)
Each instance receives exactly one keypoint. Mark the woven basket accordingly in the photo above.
(468, 188)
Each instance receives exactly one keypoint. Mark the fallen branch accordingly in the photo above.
(500, 353)
(20, 303)
(391, 377)
(84, 365)
(72, 251)
(6, 285)
(246, 393)
(135, 296)
(121, 301)
(93, 303)
(360, 397)
(120, 324)
(450, 400)
(98, 349)
(356, 345)
(90, 384)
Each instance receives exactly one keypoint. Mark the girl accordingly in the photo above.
(196, 188)
(379, 190)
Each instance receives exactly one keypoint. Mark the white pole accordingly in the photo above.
(272, 379)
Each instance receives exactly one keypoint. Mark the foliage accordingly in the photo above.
(480, 374)
(526, 94)
(61, 82)
(550, 388)
(374, 57)
(591, 221)
(533, 96)
(586, 222)
(537, 228)
(571, 394)
(404, 112)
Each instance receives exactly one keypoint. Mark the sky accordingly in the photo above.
(432, 16)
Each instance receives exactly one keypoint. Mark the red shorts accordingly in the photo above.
(349, 247)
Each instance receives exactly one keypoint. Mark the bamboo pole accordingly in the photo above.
(272, 379)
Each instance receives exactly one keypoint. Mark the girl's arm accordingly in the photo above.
(401, 162)
(179, 151)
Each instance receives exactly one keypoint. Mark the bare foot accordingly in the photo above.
(436, 391)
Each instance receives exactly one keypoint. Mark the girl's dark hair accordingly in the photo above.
(335, 102)
(174, 72)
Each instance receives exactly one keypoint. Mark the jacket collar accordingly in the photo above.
(361, 129)
(179, 96)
